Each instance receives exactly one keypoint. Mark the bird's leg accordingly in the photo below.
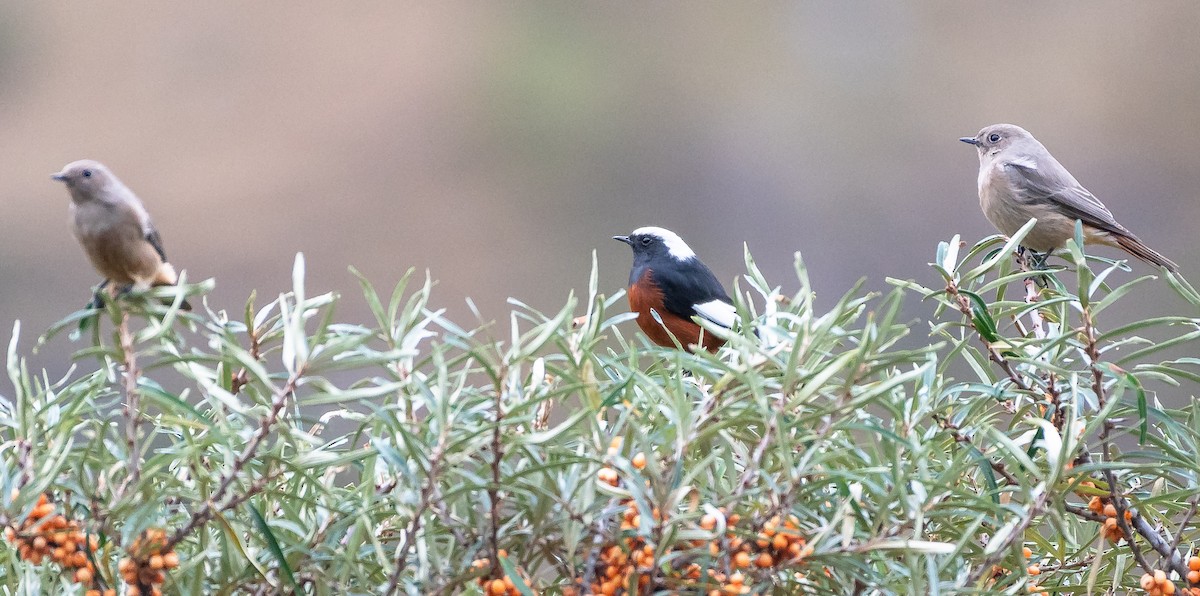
(98, 297)
(1038, 261)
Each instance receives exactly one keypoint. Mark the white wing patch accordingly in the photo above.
(717, 311)
(1023, 161)
(675, 245)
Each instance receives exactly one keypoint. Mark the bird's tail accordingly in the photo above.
(1138, 249)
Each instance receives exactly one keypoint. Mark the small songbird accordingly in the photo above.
(669, 279)
(1020, 180)
(115, 230)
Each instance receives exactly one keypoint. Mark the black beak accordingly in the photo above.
(624, 239)
(970, 141)
(59, 176)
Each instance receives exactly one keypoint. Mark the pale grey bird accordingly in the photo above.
(115, 230)
(1020, 180)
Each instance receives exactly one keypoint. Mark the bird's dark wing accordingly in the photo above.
(688, 284)
(1048, 180)
(156, 241)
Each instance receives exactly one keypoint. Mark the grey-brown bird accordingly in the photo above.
(115, 230)
(1020, 180)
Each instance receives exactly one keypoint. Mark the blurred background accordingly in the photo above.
(498, 144)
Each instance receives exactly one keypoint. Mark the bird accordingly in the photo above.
(669, 279)
(115, 230)
(1019, 180)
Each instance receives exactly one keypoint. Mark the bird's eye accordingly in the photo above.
(646, 241)
(994, 138)
(87, 173)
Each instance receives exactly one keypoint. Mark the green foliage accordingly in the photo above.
(283, 451)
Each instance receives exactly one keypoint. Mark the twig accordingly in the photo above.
(1152, 537)
(132, 405)
(1018, 533)
(964, 306)
(211, 505)
(427, 493)
(1193, 505)
(243, 376)
(959, 437)
(494, 488)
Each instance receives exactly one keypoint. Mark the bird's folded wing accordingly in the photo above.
(156, 241)
(1052, 182)
(718, 311)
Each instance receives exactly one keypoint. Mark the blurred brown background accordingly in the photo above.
(499, 144)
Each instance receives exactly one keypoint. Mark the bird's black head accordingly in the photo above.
(653, 243)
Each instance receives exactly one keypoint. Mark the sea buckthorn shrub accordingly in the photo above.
(1020, 434)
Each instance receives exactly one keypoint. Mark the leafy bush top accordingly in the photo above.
(282, 451)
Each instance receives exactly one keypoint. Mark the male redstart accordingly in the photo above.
(670, 280)
(115, 230)
(1020, 180)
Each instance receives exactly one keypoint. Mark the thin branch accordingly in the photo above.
(1018, 533)
(494, 488)
(1193, 505)
(132, 405)
(959, 437)
(213, 505)
(427, 493)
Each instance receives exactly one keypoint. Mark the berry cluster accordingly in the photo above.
(45, 535)
(145, 570)
(503, 586)
(1112, 530)
(629, 562)
(1157, 584)
(1033, 570)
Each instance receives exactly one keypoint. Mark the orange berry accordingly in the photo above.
(708, 522)
(736, 578)
(1110, 510)
(639, 460)
(497, 588)
(39, 543)
(1027, 552)
(1160, 576)
(156, 562)
(780, 542)
(92, 593)
(83, 576)
(1193, 577)
(1034, 570)
(1096, 505)
(741, 560)
(764, 560)
(1194, 563)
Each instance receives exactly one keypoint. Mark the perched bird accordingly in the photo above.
(1020, 180)
(669, 279)
(115, 230)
